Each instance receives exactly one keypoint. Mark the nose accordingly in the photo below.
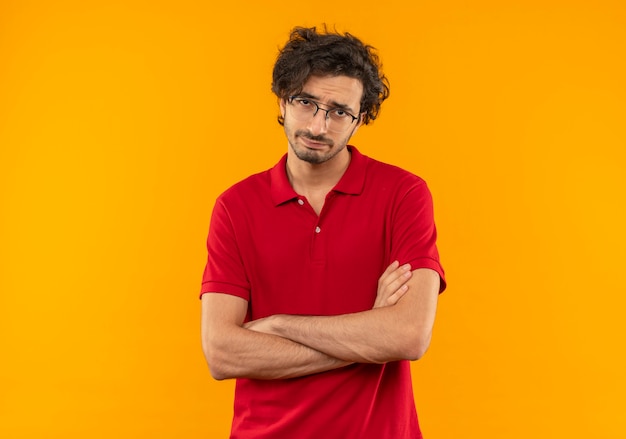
(318, 124)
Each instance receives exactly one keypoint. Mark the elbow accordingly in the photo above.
(217, 373)
(418, 346)
(412, 346)
(217, 366)
(416, 352)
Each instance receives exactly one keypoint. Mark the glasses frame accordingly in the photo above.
(318, 108)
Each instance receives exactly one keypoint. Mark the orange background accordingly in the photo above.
(121, 121)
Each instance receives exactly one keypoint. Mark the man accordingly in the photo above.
(323, 273)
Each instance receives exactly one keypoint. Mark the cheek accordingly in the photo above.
(291, 126)
(343, 139)
(288, 128)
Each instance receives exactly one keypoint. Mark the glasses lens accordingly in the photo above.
(304, 110)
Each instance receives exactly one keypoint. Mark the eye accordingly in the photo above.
(339, 114)
(304, 102)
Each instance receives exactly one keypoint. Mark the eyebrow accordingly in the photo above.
(333, 104)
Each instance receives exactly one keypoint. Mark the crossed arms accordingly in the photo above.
(398, 327)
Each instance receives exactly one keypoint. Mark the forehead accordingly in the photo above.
(335, 90)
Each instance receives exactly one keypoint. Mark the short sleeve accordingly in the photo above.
(414, 235)
(224, 271)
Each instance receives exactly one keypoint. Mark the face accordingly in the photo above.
(310, 140)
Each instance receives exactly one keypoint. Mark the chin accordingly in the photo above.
(313, 157)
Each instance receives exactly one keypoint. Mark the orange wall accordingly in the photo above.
(121, 121)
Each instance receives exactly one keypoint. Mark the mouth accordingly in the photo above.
(313, 143)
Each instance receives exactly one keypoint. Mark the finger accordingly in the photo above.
(399, 294)
(390, 269)
(399, 280)
(398, 275)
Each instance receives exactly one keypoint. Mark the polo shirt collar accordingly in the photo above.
(351, 182)
(353, 179)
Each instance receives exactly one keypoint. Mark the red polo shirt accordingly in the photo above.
(268, 246)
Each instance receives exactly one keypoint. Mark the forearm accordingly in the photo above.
(232, 351)
(374, 336)
(248, 354)
(400, 331)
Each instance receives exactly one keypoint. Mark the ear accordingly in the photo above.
(282, 103)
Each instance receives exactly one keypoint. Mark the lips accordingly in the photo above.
(313, 144)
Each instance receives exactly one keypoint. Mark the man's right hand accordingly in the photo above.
(392, 284)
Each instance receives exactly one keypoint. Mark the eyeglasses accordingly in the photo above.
(304, 109)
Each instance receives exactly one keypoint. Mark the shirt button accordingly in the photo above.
(317, 229)
(300, 202)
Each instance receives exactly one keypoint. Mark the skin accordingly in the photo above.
(234, 350)
(317, 158)
(399, 326)
(401, 331)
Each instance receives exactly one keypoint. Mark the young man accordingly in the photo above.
(323, 273)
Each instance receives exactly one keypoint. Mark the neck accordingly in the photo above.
(306, 178)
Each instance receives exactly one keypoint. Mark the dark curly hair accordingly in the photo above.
(312, 53)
